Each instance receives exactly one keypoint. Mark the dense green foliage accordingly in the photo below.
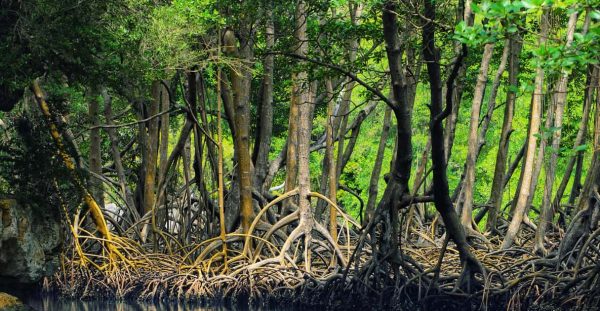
(120, 44)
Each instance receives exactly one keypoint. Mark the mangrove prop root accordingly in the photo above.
(276, 272)
(92, 205)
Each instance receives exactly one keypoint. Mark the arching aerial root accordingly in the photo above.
(271, 269)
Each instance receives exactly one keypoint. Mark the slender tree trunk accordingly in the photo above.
(576, 188)
(498, 185)
(194, 95)
(264, 131)
(591, 182)
(142, 144)
(540, 158)
(343, 126)
(163, 148)
(95, 157)
(546, 210)
(303, 103)
(534, 128)
(354, 133)
(507, 177)
(464, 14)
(291, 166)
(355, 12)
(331, 167)
(491, 107)
(194, 90)
(374, 182)
(185, 208)
(588, 216)
(228, 102)
(276, 164)
(452, 119)
(467, 210)
(397, 186)
(151, 155)
(220, 181)
(483, 125)
(68, 160)
(177, 151)
(210, 150)
(151, 149)
(441, 194)
(116, 155)
(354, 128)
(418, 182)
(591, 84)
(328, 179)
(514, 165)
(241, 79)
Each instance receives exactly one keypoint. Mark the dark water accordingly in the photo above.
(48, 303)
(44, 302)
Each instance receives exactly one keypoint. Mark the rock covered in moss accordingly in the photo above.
(29, 243)
(11, 303)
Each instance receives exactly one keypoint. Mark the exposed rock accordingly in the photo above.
(11, 303)
(29, 243)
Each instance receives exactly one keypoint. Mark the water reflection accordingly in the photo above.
(36, 299)
(41, 302)
(52, 303)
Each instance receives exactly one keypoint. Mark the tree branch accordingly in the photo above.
(345, 72)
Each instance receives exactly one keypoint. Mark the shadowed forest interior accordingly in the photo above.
(405, 154)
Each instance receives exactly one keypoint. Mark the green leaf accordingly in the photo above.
(528, 4)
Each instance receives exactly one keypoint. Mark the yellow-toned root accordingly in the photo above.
(92, 205)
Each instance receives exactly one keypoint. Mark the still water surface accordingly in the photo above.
(42, 302)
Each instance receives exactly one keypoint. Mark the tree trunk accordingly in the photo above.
(546, 210)
(241, 79)
(291, 159)
(491, 107)
(211, 150)
(397, 186)
(228, 102)
(576, 188)
(276, 164)
(328, 178)
(151, 155)
(441, 194)
(95, 157)
(355, 12)
(163, 148)
(483, 127)
(498, 185)
(264, 130)
(452, 119)
(591, 84)
(534, 127)
(374, 182)
(472, 153)
(331, 167)
(68, 160)
(220, 181)
(354, 132)
(588, 211)
(116, 155)
(303, 103)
